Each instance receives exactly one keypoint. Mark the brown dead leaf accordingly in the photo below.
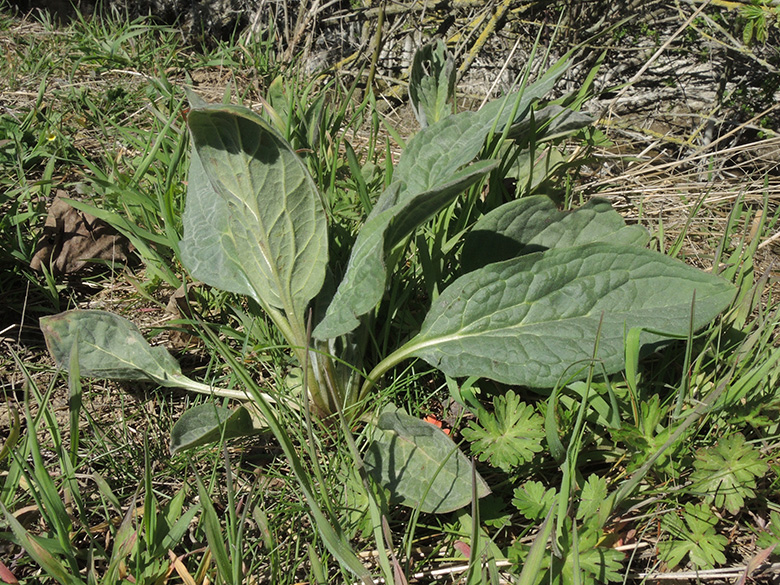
(72, 238)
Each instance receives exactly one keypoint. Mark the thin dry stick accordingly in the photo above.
(657, 54)
(500, 73)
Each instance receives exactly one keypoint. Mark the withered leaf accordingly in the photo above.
(72, 238)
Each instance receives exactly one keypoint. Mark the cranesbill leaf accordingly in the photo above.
(268, 220)
(208, 423)
(109, 347)
(693, 534)
(533, 224)
(533, 501)
(727, 472)
(420, 464)
(532, 319)
(507, 437)
(363, 285)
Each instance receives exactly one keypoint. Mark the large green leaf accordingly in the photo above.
(420, 464)
(533, 319)
(206, 248)
(438, 151)
(363, 285)
(533, 224)
(111, 347)
(208, 423)
(266, 229)
(429, 176)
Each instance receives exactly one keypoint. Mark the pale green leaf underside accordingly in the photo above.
(208, 423)
(109, 346)
(431, 83)
(420, 464)
(207, 249)
(267, 221)
(533, 319)
(533, 224)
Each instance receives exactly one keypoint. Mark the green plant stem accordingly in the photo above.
(406, 351)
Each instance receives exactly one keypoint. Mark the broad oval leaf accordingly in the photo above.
(420, 465)
(533, 224)
(266, 229)
(531, 320)
(209, 423)
(109, 346)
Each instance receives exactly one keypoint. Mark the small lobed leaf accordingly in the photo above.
(593, 496)
(109, 346)
(727, 472)
(420, 464)
(209, 423)
(509, 436)
(533, 319)
(533, 501)
(692, 533)
(770, 535)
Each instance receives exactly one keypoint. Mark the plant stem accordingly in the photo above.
(194, 386)
(404, 352)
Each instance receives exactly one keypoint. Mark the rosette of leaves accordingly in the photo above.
(539, 285)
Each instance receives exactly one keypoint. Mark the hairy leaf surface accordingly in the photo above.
(420, 464)
(533, 224)
(439, 150)
(528, 320)
(432, 83)
(363, 285)
(429, 176)
(109, 346)
(267, 220)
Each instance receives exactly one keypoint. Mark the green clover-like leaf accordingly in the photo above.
(507, 437)
(727, 472)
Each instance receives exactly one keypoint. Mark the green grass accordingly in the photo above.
(89, 491)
